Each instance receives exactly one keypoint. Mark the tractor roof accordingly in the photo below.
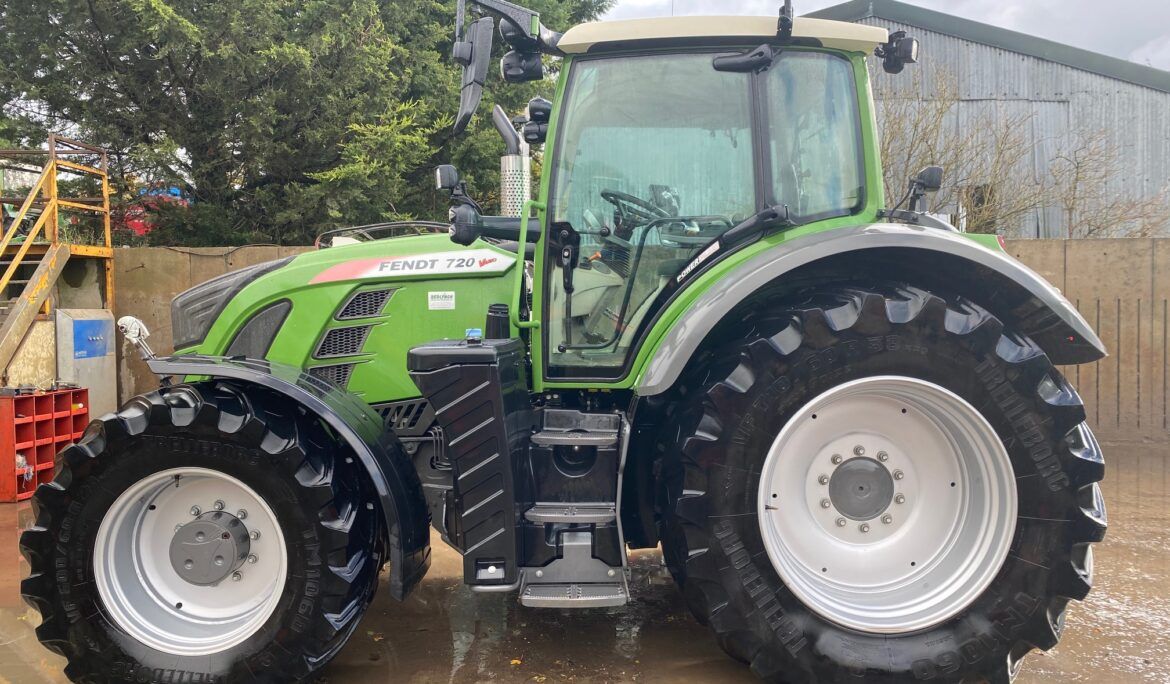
(694, 30)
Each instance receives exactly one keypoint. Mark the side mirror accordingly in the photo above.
(473, 54)
(928, 180)
(446, 178)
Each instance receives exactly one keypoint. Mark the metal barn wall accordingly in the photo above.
(1059, 99)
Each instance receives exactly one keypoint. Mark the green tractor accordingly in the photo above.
(842, 422)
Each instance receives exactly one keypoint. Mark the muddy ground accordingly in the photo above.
(446, 633)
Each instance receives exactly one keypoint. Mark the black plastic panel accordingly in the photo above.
(480, 397)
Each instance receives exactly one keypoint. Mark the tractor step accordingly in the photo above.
(572, 513)
(574, 596)
(575, 580)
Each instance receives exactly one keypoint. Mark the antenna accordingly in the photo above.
(784, 27)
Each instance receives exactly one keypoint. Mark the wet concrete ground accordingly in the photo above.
(445, 633)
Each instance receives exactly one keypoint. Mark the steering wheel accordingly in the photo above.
(635, 207)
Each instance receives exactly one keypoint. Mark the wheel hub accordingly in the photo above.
(210, 548)
(887, 504)
(171, 576)
(861, 489)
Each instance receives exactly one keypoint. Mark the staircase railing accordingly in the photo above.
(50, 258)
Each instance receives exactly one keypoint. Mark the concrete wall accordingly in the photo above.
(1121, 285)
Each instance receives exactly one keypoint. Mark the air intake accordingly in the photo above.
(365, 305)
(342, 342)
(337, 375)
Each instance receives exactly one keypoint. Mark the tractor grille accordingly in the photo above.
(365, 305)
(342, 342)
(337, 375)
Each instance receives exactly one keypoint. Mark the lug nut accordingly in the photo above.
(864, 528)
(219, 560)
(841, 522)
(901, 498)
(254, 535)
(858, 450)
(883, 456)
(189, 564)
(887, 519)
(241, 514)
(199, 536)
(218, 505)
(825, 503)
(252, 558)
(823, 479)
(236, 577)
(195, 511)
(836, 459)
(898, 475)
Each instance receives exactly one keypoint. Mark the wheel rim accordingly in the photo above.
(158, 588)
(887, 504)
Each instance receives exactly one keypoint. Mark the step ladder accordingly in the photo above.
(32, 255)
(578, 578)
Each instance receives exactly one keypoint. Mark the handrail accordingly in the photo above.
(518, 287)
(16, 260)
(10, 232)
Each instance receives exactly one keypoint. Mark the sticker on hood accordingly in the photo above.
(442, 263)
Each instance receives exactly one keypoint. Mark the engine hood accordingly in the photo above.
(420, 257)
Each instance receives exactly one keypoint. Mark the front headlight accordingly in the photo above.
(194, 311)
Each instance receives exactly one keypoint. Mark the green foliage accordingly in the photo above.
(280, 118)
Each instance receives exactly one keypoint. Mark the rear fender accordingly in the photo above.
(391, 474)
(927, 257)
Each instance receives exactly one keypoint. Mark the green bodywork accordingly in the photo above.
(409, 318)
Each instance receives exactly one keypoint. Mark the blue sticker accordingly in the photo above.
(91, 337)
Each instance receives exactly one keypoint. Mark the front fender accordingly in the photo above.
(393, 477)
(941, 257)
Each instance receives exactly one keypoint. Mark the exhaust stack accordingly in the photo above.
(515, 166)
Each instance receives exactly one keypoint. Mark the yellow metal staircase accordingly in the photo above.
(32, 254)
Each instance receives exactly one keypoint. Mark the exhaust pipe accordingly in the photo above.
(515, 166)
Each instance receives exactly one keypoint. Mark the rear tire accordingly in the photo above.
(721, 546)
(312, 547)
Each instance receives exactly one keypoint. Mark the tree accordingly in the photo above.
(989, 181)
(281, 118)
(1084, 173)
(995, 180)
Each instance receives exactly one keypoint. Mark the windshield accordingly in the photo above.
(657, 157)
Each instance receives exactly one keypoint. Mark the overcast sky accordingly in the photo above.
(1137, 30)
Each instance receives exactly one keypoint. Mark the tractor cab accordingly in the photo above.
(671, 143)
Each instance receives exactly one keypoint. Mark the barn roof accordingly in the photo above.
(976, 32)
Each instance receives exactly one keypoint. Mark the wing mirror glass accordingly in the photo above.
(474, 54)
(446, 178)
(930, 179)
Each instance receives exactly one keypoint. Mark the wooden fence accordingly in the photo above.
(1122, 286)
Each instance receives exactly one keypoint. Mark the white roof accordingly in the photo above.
(832, 34)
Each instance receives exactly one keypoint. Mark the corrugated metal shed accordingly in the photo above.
(1061, 91)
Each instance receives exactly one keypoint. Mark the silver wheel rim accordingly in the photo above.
(892, 566)
(150, 600)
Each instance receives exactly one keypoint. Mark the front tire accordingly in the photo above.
(206, 532)
(897, 393)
